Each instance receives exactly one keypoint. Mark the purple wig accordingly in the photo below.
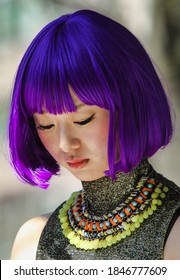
(106, 66)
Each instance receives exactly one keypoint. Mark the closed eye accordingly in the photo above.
(45, 127)
(85, 121)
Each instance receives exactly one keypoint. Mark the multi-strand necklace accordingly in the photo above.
(88, 231)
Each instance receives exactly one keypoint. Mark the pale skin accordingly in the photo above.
(68, 138)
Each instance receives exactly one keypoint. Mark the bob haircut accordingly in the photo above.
(106, 66)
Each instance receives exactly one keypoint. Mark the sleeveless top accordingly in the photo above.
(145, 243)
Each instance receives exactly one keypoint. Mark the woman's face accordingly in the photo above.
(78, 141)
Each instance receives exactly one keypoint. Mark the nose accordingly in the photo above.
(68, 141)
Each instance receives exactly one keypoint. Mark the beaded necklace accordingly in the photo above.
(87, 231)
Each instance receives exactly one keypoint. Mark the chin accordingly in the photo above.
(89, 177)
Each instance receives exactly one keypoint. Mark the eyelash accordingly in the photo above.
(46, 127)
(85, 121)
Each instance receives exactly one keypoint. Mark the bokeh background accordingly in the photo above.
(155, 22)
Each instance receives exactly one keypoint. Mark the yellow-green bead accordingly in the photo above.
(154, 201)
(155, 195)
(80, 232)
(71, 241)
(69, 201)
(102, 244)
(162, 195)
(128, 232)
(145, 215)
(159, 202)
(165, 189)
(158, 190)
(71, 234)
(137, 224)
(150, 211)
(132, 227)
(76, 239)
(124, 224)
(62, 211)
(127, 226)
(78, 245)
(65, 207)
(65, 225)
(74, 194)
(95, 243)
(123, 235)
(66, 231)
(109, 238)
(114, 240)
(141, 219)
(135, 218)
(88, 245)
(154, 207)
(82, 244)
(63, 219)
(118, 236)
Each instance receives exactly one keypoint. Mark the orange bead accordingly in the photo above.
(132, 207)
(118, 218)
(104, 226)
(138, 200)
(98, 227)
(76, 209)
(86, 226)
(90, 226)
(78, 216)
(143, 195)
(126, 212)
(147, 189)
(151, 182)
(80, 223)
(112, 222)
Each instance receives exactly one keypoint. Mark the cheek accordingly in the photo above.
(102, 134)
(100, 138)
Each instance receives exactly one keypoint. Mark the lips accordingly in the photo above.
(77, 163)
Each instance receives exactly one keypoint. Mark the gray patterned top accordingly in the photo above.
(103, 195)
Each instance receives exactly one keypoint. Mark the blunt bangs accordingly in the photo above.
(105, 65)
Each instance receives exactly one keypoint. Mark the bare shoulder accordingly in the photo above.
(27, 238)
(172, 247)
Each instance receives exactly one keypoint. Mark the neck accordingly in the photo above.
(103, 195)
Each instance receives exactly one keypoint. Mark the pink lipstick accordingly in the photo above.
(77, 163)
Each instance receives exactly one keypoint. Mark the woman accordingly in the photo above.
(87, 97)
